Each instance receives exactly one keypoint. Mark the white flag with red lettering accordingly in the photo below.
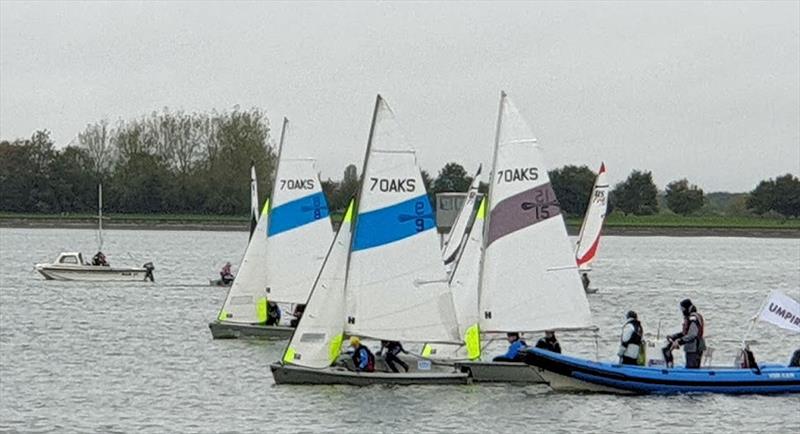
(782, 311)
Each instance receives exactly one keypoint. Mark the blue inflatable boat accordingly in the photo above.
(580, 375)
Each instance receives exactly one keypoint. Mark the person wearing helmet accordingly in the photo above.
(691, 335)
(515, 347)
(630, 341)
(363, 359)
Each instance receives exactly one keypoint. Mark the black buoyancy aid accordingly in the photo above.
(636, 337)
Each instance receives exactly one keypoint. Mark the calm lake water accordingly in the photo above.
(139, 357)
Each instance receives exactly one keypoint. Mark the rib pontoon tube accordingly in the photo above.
(567, 373)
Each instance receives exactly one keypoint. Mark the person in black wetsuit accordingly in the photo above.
(273, 314)
(393, 348)
(549, 342)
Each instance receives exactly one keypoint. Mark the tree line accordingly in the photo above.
(163, 163)
(198, 163)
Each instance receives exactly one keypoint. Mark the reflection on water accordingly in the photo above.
(139, 357)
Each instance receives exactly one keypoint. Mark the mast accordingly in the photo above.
(492, 177)
(100, 215)
(284, 128)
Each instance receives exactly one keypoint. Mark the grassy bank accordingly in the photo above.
(616, 224)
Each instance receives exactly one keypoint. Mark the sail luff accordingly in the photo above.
(253, 199)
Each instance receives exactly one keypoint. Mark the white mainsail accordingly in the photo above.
(528, 275)
(396, 284)
(245, 302)
(317, 341)
(589, 238)
(458, 232)
(299, 231)
(253, 199)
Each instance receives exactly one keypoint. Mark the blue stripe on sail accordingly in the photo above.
(296, 213)
(393, 223)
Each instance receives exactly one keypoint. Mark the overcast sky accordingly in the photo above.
(705, 91)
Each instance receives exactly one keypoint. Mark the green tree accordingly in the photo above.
(781, 195)
(683, 198)
(452, 178)
(637, 194)
(573, 186)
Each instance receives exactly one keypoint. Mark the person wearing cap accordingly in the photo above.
(515, 347)
(549, 342)
(630, 341)
(363, 359)
(691, 335)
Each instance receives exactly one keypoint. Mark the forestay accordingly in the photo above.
(299, 232)
(245, 302)
(254, 202)
(458, 232)
(529, 280)
(396, 284)
(317, 341)
(589, 238)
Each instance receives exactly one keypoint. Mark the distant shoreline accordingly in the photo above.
(237, 224)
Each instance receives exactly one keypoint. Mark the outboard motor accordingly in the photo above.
(149, 267)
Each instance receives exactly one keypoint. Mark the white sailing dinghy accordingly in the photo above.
(283, 256)
(526, 280)
(383, 278)
(254, 216)
(71, 265)
(460, 229)
(589, 237)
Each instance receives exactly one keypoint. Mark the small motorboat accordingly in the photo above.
(70, 266)
(566, 373)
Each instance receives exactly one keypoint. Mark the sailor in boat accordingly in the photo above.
(690, 336)
(225, 275)
(273, 314)
(99, 259)
(549, 342)
(515, 349)
(630, 341)
(585, 280)
(299, 309)
(393, 348)
(363, 359)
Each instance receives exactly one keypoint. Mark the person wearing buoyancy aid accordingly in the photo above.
(363, 359)
(515, 347)
(630, 341)
(691, 335)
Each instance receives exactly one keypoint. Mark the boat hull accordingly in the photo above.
(219, 282)
(500, 372)
(90, 273)
(227, 330)
(573, 374)
(291, 374)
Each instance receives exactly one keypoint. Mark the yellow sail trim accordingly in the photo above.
(289, 356)
(222, 315)
(261, 310)
(266, 207)
(348, 216)
(335, 348)
(472, 341)
(427, 350)
(482, 210)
